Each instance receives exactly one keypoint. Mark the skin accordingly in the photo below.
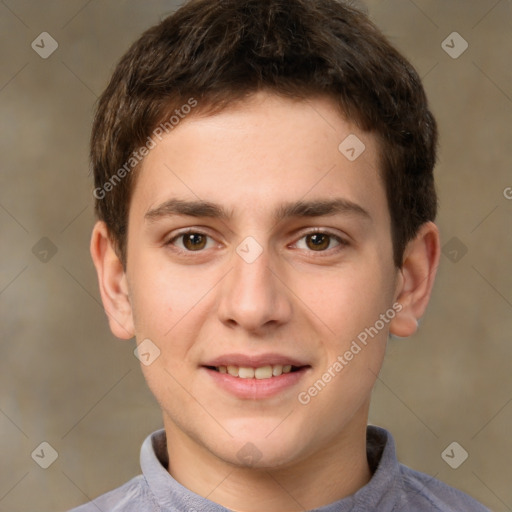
(294, 299)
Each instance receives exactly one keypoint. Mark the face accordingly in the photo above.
(257, 248)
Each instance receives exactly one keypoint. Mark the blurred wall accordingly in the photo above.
(67, 381)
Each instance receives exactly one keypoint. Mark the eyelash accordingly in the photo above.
(342, 242)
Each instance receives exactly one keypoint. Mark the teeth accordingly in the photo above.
(233, 370)
(263, 372)
(277, 370)
(246, 373)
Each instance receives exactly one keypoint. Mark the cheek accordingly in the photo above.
(347, 301)
(169, 305)
(160, 297)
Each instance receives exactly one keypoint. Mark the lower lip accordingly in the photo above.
(255, 389)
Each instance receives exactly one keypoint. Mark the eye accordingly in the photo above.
(191, 241)
(319, 241)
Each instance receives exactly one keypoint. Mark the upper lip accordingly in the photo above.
(254, 361)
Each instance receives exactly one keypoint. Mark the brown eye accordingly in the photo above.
(194, 241)
(318, 241)
(191, 241)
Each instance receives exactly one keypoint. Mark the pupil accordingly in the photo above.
(194, 241)
(320, 241)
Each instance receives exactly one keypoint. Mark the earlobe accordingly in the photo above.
(112, 283)
(416, 279)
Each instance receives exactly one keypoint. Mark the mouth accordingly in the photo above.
(260, 372)
(256, 377)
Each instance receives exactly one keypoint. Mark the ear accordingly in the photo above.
(112, 283)
(416, 279)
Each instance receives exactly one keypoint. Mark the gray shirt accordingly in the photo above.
(392, 488)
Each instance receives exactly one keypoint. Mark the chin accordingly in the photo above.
(264, 448)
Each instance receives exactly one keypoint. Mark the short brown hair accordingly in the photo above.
(217, 52)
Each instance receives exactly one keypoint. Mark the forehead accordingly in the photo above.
(262, 153)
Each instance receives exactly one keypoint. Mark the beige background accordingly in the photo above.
(66, 380)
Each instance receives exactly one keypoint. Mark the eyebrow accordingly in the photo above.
(298, 209)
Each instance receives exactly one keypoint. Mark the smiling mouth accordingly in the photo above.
(262, 372)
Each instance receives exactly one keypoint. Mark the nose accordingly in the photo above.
(253, 295)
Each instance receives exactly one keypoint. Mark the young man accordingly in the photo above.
(264, 184)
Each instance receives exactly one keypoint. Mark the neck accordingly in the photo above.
(337, 470)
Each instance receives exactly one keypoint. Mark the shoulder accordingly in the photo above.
(133, 496)
(425, 491)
